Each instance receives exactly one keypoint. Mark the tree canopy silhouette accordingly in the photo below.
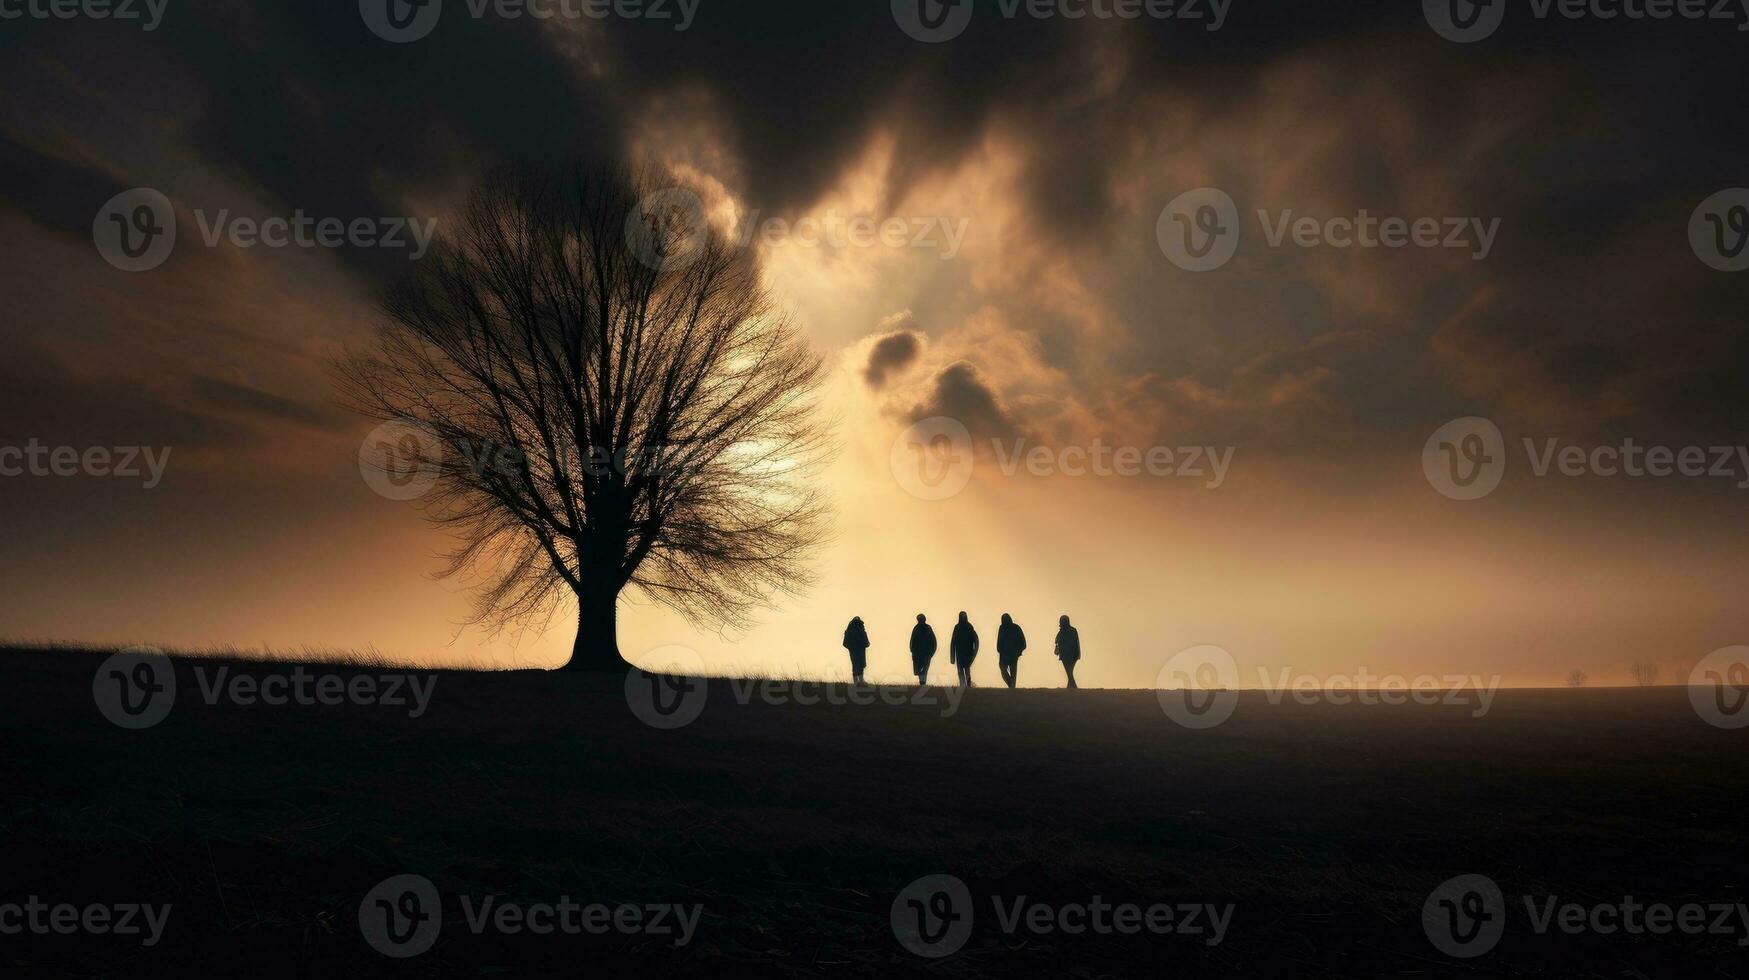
(606, 398)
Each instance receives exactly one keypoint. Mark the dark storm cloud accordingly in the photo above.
(892, 353)
(859, 67)
(303, 105)
(42, 398)
(53, 193)
(961, 392)
(244, 399)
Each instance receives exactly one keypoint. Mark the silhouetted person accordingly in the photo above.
(922, 649)
(856, 641)
(1068, 647)
(1010, 644)
(962, 649)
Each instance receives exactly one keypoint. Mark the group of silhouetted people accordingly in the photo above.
(962, 648)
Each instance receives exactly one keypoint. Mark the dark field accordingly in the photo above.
(797, 826)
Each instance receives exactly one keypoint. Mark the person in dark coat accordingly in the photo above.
(1010, 644)
(1068, 648)
(962, 649)
(856, 641)
(922, 649)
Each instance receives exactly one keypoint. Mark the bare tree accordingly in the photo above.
(1645, 674)
(607, 399)
(1578, 678)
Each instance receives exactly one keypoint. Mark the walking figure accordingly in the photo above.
(856, 641)
(1010, 644)
(962, 649)
(1068, 648)
(922, 649)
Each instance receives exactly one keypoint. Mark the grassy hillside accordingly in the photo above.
(795, 826)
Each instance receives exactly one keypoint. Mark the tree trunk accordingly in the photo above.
(597, 644)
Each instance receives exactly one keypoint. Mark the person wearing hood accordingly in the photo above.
(1068, 648)
(856, 641)
(922, 649)
(1010, 644)
(962, 649)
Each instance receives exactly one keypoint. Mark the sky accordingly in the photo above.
(990, 229)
